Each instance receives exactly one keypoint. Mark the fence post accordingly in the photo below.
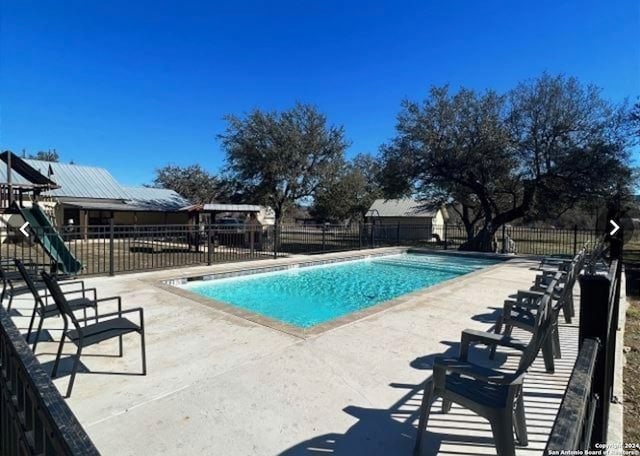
(111, 253)
(360, 230)
(209, 246)
(275, 240)
(445, 236)
(324, 236)
(575, 239)
(594, 323)
(398, 234)
(504, 239)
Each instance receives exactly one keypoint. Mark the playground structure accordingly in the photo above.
(20, 191)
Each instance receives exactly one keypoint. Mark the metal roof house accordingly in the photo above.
(409, 214)
(215, 211)
(406, 210)
(88, 195)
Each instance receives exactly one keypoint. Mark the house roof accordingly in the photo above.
(78, 181)
(23, 174)
(218, 207)
(403, 207)
(155, 198)
(106, 206)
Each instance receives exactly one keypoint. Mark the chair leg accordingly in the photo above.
(144, 353)
(520, 421)
(557, 351)
(572, 308)
(37, 338)
(425, 407)
(502, 427)
(547, 355)
(120, 350)
(74, 370)
(33, 319)
(498, 330)
(10, 301)
(508, 329)
(58, 355)
(567, 310)
(446, 405)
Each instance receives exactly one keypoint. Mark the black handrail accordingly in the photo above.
(34, 418)
(583, 418)
(574, 423)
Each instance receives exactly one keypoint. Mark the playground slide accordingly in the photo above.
(50, 240)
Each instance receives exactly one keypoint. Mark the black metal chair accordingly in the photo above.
(45, 310)
(13, 282)
(11, 279)
(83, 336)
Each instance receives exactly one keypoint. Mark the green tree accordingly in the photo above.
(282, 158)
(350, 194)
(193, 182)
(635, 119)
(50, 155)
(544, 146)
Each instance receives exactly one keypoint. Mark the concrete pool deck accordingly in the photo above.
(222, 384)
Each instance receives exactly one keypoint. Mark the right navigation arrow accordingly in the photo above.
(615, 226)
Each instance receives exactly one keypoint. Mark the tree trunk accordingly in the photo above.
(483, 241)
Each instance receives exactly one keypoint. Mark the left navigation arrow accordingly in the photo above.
(23, 229)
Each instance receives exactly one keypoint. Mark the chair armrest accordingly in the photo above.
(112, 298)
(64, 285)
(121, 312)
(470, 336)
(553, 262)
(507, 307)
(528, 299)
(442, 366)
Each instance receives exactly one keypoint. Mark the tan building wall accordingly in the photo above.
(150, 218)
(413, 227)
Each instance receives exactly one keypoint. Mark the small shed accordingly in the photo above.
(416, 219)
(214, 212)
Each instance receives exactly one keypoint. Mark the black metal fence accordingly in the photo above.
(34, 418)
(113, 249)
(583, 418)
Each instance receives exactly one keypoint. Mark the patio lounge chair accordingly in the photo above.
(13, 283)
(11, 278)
(492, 394)
(542, 280)
(86, 300)
(560, 261)
(109, 326)
(520, 313)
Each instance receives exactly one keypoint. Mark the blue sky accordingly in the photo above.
(133, 85)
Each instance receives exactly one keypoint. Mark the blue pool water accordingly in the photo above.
(307, 296)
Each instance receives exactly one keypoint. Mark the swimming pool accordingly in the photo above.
(308, 296)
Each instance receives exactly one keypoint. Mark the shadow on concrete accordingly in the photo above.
(392, 431)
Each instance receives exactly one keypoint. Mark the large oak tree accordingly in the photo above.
(350, 194)
(544, 146)
(282, 158)
(193, 182)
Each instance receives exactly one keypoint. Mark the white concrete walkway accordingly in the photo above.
(222, 385)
